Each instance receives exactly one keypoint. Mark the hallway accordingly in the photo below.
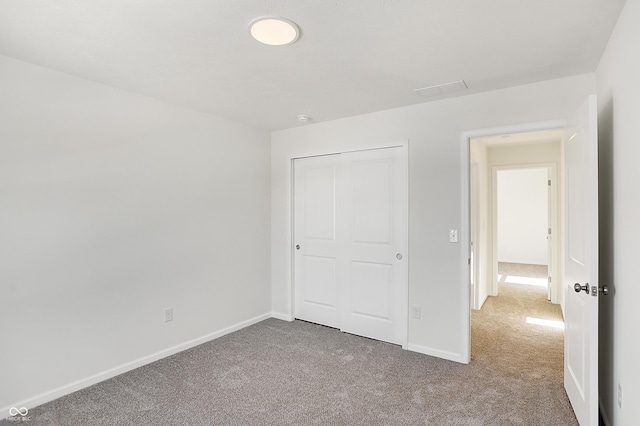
(520, 336)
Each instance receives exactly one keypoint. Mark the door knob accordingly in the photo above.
(604, 290)
(399, 256)
(297, 246)
(578, 288)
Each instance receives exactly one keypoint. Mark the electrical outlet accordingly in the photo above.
(416, 312)
(619, 395)
(453, 235)
(168, 314)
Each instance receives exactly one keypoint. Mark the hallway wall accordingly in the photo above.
(523, 210)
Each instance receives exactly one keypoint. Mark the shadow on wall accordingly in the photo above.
(606, 258)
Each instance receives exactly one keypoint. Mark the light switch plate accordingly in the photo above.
(416, 312)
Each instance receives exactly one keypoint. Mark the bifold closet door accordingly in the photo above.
(350, 238)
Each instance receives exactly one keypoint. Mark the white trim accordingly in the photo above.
(465, 250)
(451, 356)
(321, 153)
(486, 296)
(465, 217)
(123, 368)
(281, 316)
(291, 294)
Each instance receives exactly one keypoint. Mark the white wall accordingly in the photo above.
(434, 130)
(523, 216)
(114, 206)
(619, 130)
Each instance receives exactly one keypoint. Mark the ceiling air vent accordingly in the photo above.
(442, 89)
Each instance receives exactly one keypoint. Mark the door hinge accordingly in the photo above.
(549, 182)
(549, 231)
(468, 261)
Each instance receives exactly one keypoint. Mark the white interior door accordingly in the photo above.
(350, 242)
(581, 264)
(374, 232)
(316, 249)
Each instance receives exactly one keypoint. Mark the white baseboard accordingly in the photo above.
(486, 296)
(436, 353)
(281, 316)
(112, 372)
(535, 262)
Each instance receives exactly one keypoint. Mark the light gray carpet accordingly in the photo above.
(280, 373)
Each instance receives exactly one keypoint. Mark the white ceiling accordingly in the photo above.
(353, 57)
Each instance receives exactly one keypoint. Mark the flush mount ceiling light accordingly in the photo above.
(274, 31)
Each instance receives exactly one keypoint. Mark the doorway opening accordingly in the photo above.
(576, 246)
(523, 217)
(515, 245)
(514, 202)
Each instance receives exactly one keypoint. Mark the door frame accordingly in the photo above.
(474, 234)
(290, 224)
(465, 216)
(552, 211)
